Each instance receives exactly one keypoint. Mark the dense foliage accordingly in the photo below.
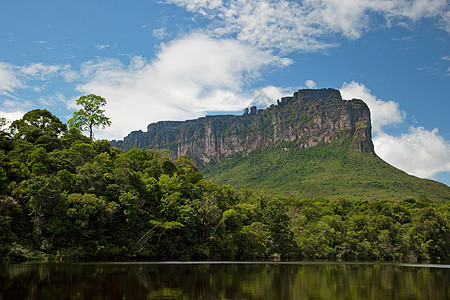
(64, 196)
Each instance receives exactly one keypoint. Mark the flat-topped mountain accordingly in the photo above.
(313, 144)
(307, 118)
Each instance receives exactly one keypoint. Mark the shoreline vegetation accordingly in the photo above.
(66, 197)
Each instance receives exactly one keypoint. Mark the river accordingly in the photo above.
(224, 280)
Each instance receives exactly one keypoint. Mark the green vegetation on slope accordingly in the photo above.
(327, 170)
(65, 196)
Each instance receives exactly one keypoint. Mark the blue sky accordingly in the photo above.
(182, 59)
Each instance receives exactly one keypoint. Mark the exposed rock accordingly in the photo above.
(304, 120)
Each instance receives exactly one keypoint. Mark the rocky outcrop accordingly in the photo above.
(307, 118)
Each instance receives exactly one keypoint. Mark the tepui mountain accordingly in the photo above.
(311, 144)
(307, 118)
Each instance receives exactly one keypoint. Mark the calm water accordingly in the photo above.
(221, 280)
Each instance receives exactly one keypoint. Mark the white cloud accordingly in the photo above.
(189, 77)
(419, 152)
(310, 84)
(33, 77)
(8, 79)
(56, 100)
(274, 93)
(39, 70)
(160, 33)
(382, 112)
(268, 95)
(284, 25)
(295, 25)
(101, 47)
(14, 77)
(12, 116)
(69, 75)
(354, 17)
(16, 105)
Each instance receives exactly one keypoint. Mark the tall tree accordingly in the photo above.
(39, 127)
(36, 123)
(3, 123)
(3, 130)
(91, 115)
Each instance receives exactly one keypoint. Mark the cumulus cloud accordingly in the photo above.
(419, 152)
(310, 84)
(189, 77)
(295, 25)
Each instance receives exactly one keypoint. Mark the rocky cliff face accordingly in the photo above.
(307, 118)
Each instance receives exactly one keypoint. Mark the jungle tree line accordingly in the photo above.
(66, 196)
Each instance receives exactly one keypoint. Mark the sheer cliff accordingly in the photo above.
(307, 118)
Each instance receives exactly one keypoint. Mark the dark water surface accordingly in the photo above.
(224, 280)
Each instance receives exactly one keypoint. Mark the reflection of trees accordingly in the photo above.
(221, 281)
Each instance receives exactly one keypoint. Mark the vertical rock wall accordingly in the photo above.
(304, 120)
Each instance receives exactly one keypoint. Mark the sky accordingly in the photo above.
(183, 59)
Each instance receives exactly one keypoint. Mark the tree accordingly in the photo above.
(39, 127)
(90, 115)
(3, 123)
(36, 123)
(5, 138)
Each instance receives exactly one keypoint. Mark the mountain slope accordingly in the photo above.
(331, 170)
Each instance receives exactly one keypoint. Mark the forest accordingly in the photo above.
(65, 196)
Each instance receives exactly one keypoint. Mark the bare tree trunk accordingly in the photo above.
(91, 131)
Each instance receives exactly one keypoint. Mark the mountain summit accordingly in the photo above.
(306, 119)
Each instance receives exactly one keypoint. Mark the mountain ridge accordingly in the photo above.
(307, 118)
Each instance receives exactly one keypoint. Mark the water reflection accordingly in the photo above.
(223, 281)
